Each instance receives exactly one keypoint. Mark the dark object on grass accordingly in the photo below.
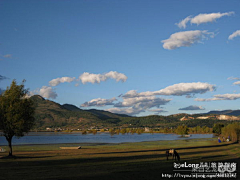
(2, 150)
(173, 153)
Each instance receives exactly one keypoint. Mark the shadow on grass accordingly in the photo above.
(156, 150)
(133, 166)
(131, 157)
(150, 170)
(24, 157)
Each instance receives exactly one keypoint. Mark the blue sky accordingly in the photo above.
(135, 57)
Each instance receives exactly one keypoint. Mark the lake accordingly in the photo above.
(57, 138)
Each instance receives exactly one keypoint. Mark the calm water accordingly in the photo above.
(56, 138)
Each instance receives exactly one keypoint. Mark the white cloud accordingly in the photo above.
(45, 91)
(129, 106)
(237, 83)
(138, 108)
(142, 102)
(187, 89)
(235, 34)
(186, 39)
(57, 81)
(129, 111)
(220, 97)
(91, 78)
(97, 78)
(205, 18)
(134, 103)
(176, 90)
(202, 18)
(132, 93)
(99, 102)
(233, 78)
(183, 23)
(193, 107)
(117, 76)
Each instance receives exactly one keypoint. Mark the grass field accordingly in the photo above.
(145, 160)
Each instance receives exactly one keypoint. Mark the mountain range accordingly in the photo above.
(49, 114)
(226, 112)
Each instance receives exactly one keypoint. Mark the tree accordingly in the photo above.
(217, 128)
(16, 112)
(182, 130)
(232, 131)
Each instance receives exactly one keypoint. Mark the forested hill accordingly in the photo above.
(53, 115)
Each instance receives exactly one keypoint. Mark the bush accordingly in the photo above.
(232, 131)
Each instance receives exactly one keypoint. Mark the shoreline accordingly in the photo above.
(102, 143)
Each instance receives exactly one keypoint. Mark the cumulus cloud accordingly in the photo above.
(142, 102)
(97, 78)
(233, 35)
(130, 106)
(187, 89)
(45, 91)
(220, 97)
(192, 107)
(186, 39)
(136, 109)
(202, 18)
(57, 81)
(137, 105)
(176, 90)
(205, 18)
(131, 111)
(99, 102)
(134, 103)
(87, 77)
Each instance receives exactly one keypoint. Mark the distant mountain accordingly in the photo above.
(99, 113)
(49, 114)
(106, 114)
(225, 112)
(52, 114)
(71, 107)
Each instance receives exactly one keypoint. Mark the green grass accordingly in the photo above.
(144, 160)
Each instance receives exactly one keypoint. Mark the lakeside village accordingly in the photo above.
(222, 131)
(198, 129)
